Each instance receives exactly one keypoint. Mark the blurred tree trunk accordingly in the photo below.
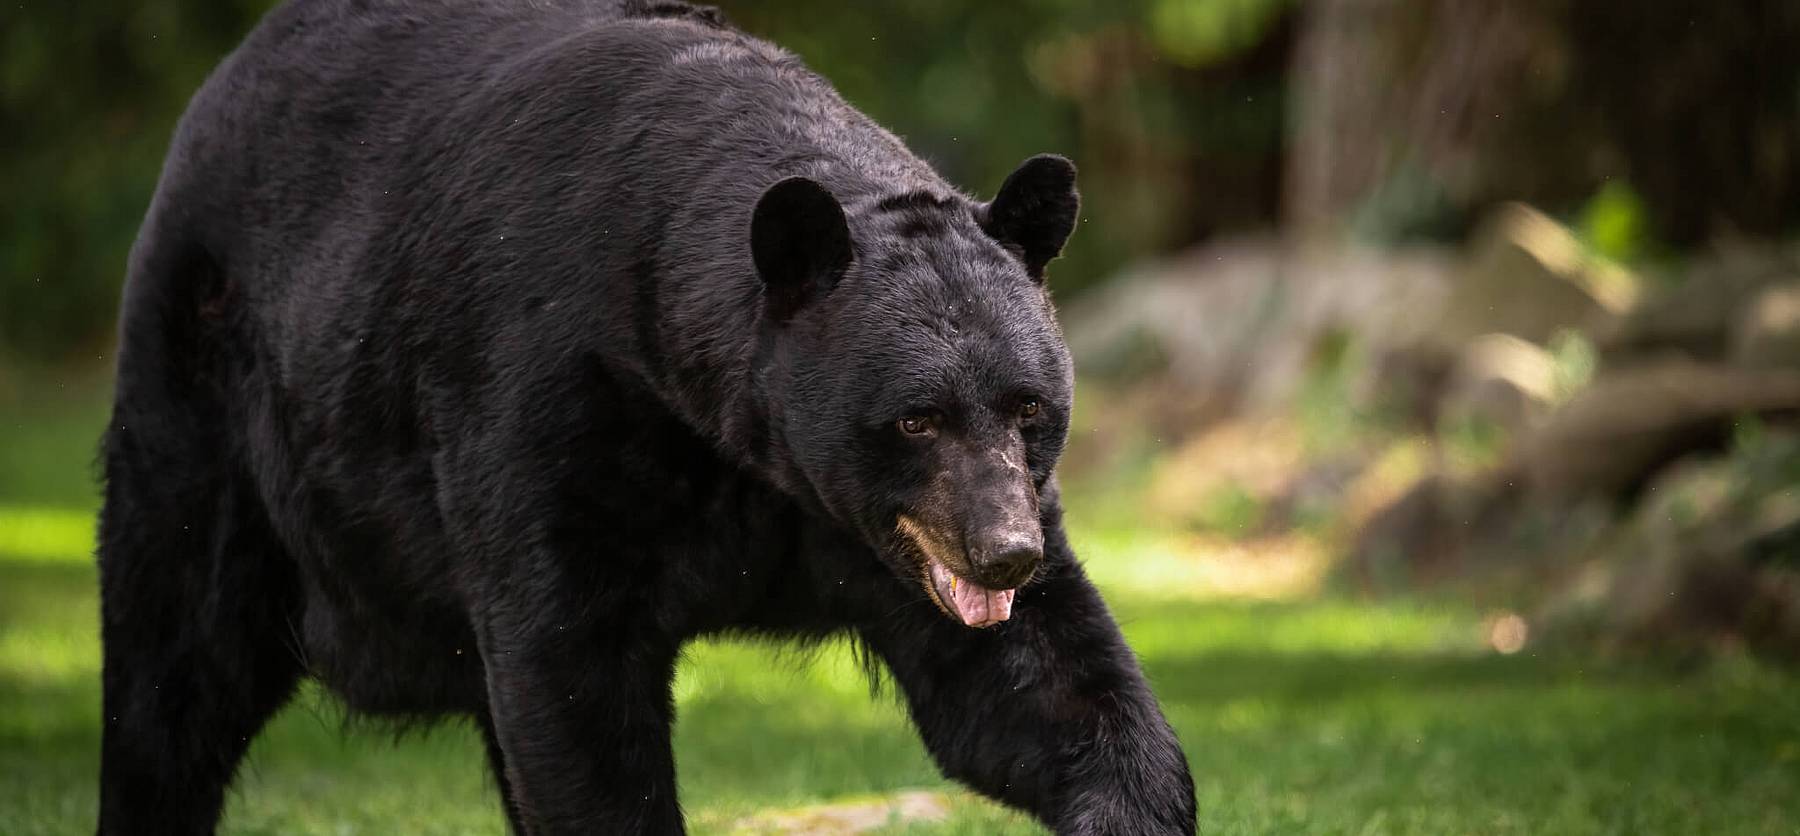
(1409, 115)
(1702, 101)
(1410, 118)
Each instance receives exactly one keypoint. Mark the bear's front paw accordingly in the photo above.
(1131, 816)
(1141, 788)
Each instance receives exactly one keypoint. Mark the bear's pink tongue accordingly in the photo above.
(975, 604)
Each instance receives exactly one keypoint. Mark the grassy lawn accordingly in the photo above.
(1316, 716)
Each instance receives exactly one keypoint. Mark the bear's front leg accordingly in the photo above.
(583, 719)
(1047, 711)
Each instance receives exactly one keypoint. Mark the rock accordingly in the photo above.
(1527, 276)
(1390, 475)
(1238, 321)
(1502, 380)
(1706, 559)
(1254, 458)
(1768, 330)
(1430, 532)
(1405, 380)
(1696, 318)
(1193, 320)
(1349, 296)
(1773, 533)
(1523, 276)
(1411, 533)
(1613, 435)
(1314, 496)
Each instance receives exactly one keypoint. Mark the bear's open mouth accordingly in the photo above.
(974, 604)
(960, 598)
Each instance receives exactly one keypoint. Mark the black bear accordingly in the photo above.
(475, 356)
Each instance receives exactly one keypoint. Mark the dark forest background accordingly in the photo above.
(1385, 120)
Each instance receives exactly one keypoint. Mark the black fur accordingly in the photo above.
(460, 369)
(800, 243)
(1035, 211)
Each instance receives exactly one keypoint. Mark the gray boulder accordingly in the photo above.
(1697, 318)
(1609, 438)
(1768, 330)
(1501, 380)
(1527, 276)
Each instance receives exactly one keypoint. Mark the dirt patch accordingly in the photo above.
(849, 817)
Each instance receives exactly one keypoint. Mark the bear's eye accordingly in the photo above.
(1029, 409)
(916, 425)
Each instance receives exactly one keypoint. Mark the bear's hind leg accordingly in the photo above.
(197, 594)
(197, 655)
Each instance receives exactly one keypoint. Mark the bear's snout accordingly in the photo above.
(1005, 557)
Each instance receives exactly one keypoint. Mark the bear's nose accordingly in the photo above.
(1007, 560)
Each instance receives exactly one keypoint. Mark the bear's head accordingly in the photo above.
(923, 383)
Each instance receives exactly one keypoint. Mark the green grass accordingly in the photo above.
(1308, 717)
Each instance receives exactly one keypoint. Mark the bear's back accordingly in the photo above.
(350, 152)
(328, 95)
(410, 198)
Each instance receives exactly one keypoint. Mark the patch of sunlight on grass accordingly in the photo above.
(711, 666)
(48, 656)
(1164, 565)
(760, 725)
(1328, 628)
(1247, 715)
(47, 534)
(1152, 564)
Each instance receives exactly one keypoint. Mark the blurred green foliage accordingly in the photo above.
(1576, 361)
(89, 93)
(1200, 34)
(1613, 223)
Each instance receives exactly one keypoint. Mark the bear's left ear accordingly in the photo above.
(800, 241)
(1035, 211)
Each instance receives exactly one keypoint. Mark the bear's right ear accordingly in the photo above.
(1035, 211)
(801, 243)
